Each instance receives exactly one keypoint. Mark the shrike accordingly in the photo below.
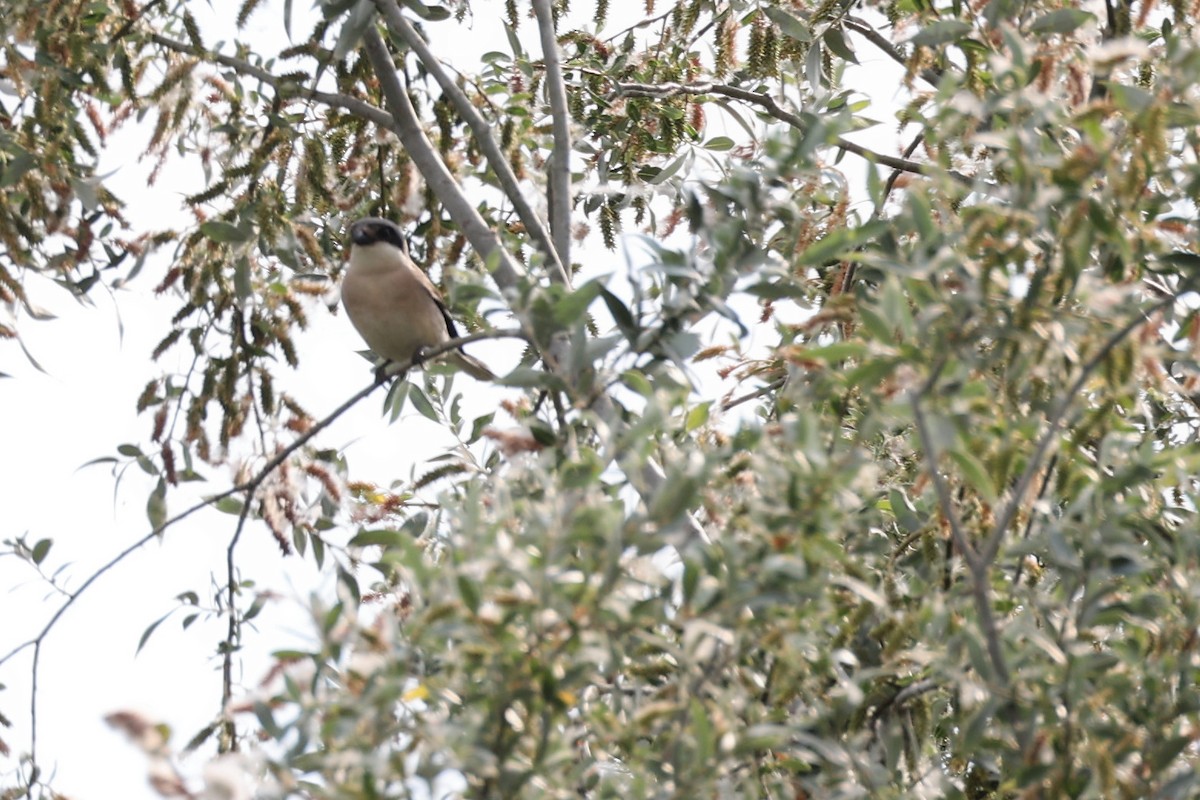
(392, 304)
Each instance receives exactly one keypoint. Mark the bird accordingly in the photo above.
(393, 305)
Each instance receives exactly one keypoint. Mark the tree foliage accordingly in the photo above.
(928, 537)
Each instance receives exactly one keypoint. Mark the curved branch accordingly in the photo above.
(402, 29)
(248, 488)
(559, 184)
(992, 545)
(772, 108)
(930, 75)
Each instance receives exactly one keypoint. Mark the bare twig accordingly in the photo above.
(772, 107)
(248, 488)
(646, 23)
(977, 566)
(754, 395)
(559, 183)
(930, 75)
(482, 131)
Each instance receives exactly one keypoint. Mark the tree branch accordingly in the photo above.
(242, 67)
(248, 488)
(977, 566)
(405, 124)
(402, 121)
(765, 389)
(481, 129)
(864, 29)
(772, 108)
(1016, 501)
(559, 183)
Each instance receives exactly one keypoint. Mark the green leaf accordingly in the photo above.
(570, 308)
(975, 473)
(1130, 98)
(229, 505)
(431, 13)
(256, 607)
(1064, 20)
(719, 144)
(359, 20)
(941, 32)
(836, 42)
(16, 168)
(672, 167)
(382, 537)
(791, 26)
(421, 402)
(347, 580)
(224, 232)
(674, 498)
(469, 592)
(696, 417)
(150, 630)
(156, 505)
(393, 404)
(38, 554)
(241, 278)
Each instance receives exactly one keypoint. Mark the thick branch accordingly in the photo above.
(559, 184)
(481, 129)
(407, 126)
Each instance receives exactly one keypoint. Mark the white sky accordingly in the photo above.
(84, 407)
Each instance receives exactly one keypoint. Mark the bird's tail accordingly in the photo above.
(471, 365)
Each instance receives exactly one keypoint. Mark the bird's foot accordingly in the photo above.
(386, 371)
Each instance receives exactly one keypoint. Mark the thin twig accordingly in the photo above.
(977, 566)
(1068, 399)
(646, 23)
(754, 395)
(558, 185)
(481, 129)
(930, 75)
(772, 107)
(248, 488)
(354, 105)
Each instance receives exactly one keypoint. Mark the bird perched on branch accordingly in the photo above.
(392, 304)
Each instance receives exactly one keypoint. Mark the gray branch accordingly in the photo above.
(406, 125)
(559, 185)
(481, 129)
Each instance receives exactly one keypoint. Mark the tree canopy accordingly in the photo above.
(873, 474)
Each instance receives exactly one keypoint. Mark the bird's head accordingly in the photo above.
(371, 230)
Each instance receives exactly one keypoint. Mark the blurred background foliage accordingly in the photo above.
(933, 535)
